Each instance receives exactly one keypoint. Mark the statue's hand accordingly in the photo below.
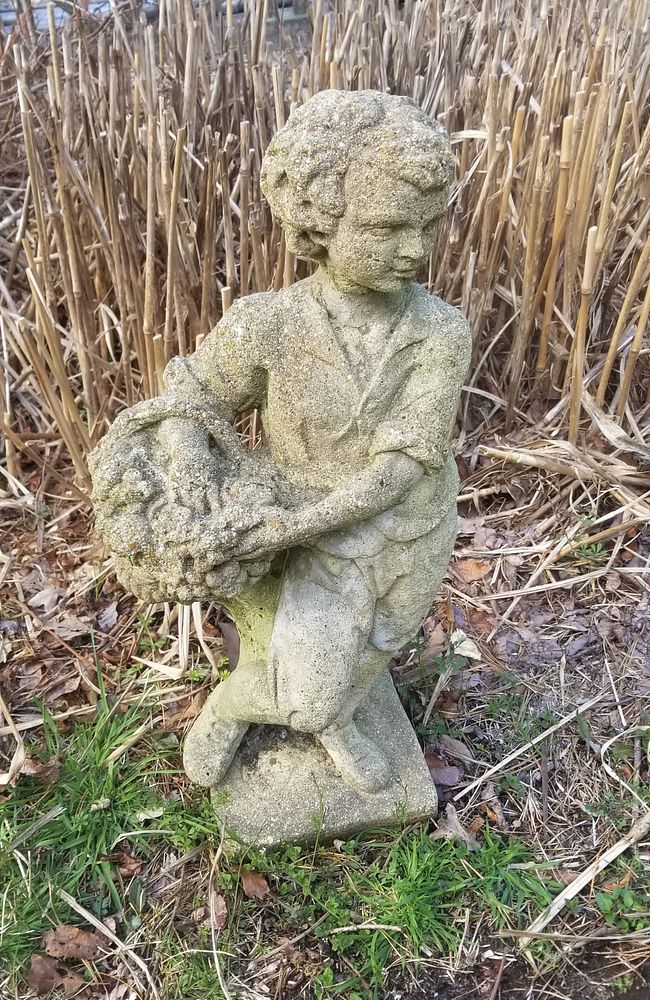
(193, 477)
(279, 529)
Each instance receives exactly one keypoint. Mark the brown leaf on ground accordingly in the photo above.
(477, 824)
(435, 643)
(46, 975)
(441, 771)
(565, 876)
(474, 621)
(46, 771)
(69, 626)
(179, 713)
(127, 865)
(470, 570)
(219, 909)
(67, 941)
(619, 883)
(59, 688)
(456, 748)
(492, 808)
(450, 827)
(255, 886)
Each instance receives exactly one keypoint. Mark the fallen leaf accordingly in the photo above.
(474, 620)
(127, 865)
(462, 645)
(255, 886)
(477, 824)
(450, 827)
(456, 748)
(435, 643)
(72, 942)
(470, 570)
(565, 876)
(620, 883)
(46, 599)
(219, 909)
(46, 975)
(58, 689)
(107, 617)
(69, 627)
(178, 713)
(46, 771)
(442, 773)
(492, 808)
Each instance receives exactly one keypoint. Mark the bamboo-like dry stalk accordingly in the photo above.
(131, 213)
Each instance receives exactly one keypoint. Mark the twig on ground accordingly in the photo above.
(636, 833)
(528, 746)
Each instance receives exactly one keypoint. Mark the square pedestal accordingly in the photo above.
(282, 786)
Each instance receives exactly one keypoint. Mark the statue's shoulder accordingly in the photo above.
(256, 310)
(445, 324)
(265, 313)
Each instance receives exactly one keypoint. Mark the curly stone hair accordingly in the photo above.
(304, 168)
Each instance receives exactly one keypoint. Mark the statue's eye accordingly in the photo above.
(383, 230)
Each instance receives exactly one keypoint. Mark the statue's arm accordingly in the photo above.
(421, 419)
(227, 372)
(411, 441)
(381, 485)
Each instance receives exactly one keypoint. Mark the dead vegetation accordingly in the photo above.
(130, 217)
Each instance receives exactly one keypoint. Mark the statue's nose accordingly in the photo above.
(412, 245)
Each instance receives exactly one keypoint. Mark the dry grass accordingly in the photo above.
(132, 212)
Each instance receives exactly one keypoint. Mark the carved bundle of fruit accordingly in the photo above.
(175, 538)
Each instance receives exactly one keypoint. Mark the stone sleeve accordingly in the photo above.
(421, 418)
(230, 367)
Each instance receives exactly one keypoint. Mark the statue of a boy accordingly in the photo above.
(327, 546)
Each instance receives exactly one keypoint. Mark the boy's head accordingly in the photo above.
(358, 180)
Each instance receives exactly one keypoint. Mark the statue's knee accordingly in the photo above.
(317, 715)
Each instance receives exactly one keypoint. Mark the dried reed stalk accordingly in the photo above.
(131, 211)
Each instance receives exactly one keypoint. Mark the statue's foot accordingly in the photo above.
(210, 747)
(360, 762)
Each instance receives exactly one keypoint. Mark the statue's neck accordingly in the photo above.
(355, 302)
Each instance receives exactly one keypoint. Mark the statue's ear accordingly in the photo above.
(317, 238)
(309, 243)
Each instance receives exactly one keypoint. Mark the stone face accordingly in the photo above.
(328, 544)
(282, 786)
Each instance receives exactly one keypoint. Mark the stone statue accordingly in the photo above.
(327, 545)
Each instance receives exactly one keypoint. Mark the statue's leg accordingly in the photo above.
(317, 647)
(407, 576)
(244, 697)
(416, 572)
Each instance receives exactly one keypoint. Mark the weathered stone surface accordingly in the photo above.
(283, 787)
(328, 544)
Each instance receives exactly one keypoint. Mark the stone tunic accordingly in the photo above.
(331, 400)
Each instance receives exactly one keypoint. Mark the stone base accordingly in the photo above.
(282, 786)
